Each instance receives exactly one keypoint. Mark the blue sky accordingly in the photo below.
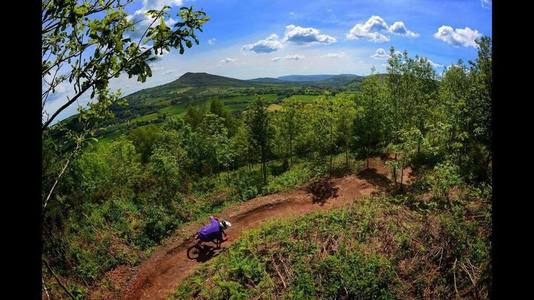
(269, 38)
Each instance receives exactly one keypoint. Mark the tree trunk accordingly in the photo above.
(367, 150)
(264, 167)
(347, 158)
(290, 152)
(331, 163)
(395, 171)
(402, 175)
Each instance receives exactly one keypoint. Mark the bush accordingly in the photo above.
(158, 224)
(297, 175)
(246, 183)
(107, 170)
(444, 177)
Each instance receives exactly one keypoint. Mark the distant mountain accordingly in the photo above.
(190, 79)
(322, 80)
(267, 80)
(320, 77)
(191, 87)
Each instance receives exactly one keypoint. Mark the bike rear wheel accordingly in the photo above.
(194, 251)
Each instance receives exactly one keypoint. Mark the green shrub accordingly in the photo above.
(295, 176)
(443, 178)
(158, 224)
(247, 183)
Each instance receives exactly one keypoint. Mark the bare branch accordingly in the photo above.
(58, 280)
(64, 106)
(78, 147)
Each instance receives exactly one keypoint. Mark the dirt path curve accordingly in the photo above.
(159, 275)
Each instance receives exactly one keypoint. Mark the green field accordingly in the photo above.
(301, 98)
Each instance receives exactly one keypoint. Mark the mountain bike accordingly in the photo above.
(202, 250)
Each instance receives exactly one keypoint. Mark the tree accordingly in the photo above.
(87, 44)
(453, 97)
(370, 129)
(413, 97)
(479, 111)
(217, 108)
(423, 95)
(324, 127)
(288, 122)
(479, 104)
(346, 114)
(109, 169)
(194, 115)
(259, 126)
(144, 139)
(215, 143)
(242, 147)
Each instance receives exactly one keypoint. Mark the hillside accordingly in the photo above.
(151, 105)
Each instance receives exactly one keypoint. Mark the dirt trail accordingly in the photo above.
(159, 275)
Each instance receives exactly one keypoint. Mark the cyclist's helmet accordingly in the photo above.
(225, 224)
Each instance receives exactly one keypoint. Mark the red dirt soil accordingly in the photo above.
(159, 275)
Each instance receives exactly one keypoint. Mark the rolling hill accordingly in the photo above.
(150, 105)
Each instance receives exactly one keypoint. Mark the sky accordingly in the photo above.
(270, 38)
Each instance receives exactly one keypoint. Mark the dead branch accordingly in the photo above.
(471, 278)
(45, 289)
(59, 281)
(78, 147)
(454, 278)
(288, 273)
(325, 244)
(278, 272)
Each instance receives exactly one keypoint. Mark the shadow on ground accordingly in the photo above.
(322, 190)
(374, 177)
(202, 253)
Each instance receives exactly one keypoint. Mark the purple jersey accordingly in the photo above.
(211, 231)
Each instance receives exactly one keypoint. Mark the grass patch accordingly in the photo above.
(375, 250)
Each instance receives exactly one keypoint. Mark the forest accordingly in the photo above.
(114, 193)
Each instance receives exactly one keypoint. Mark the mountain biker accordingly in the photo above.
(214, 231)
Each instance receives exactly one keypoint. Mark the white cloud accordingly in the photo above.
(61, 91)
(288, 57)
(373, 29)
(433, 64)
(486, 3)
(228, 60)
(270, 44)
(400, 29)
(300, 35)
(291, 13)
(142, 21)
(158, 4)
(212, 41)
(458, 37)
(380, 53)
(377, 30)
(335, 55)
